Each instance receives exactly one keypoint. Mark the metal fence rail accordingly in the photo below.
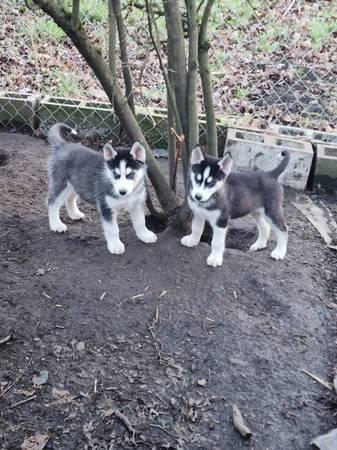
(271, 61)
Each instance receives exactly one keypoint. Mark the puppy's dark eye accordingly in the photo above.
(116, 175)
(130, 175)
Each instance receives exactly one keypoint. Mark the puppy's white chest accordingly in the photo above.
(210, 215)
(125, 203)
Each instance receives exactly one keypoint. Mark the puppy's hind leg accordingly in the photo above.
(281, 232)
(55, 201)
(72, 209)
(263, 229)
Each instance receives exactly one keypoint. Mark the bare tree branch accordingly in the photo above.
(112, 39)
(193, 125)
(124, 54)
(95, 60)
(205, 74)
(76, 14)
(155, 42)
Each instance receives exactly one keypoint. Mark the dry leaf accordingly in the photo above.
(37, 442)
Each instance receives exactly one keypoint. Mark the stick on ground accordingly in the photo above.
(126, 422)
(318, 379)
(239, 423)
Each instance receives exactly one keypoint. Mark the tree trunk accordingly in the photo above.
(205, 74)
(95, 60)
(177, 67)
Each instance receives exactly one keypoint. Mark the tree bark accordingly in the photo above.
(177, 66)
(205, 74)
(112, 40)
(124, 54)
(95, 60)
(193, 125)
(76, 14)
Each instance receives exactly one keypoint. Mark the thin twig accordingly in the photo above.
(180, 138)
(125, 421)
(11, 385)
(153, 425)
(318, 379)
(152, 327)
(21, 402)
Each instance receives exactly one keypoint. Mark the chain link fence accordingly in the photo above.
(271, 62)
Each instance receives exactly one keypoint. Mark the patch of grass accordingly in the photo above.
(66, 84)
(321, 31)
(241, 93)
(156, 92)
(91, 10)
(272, 39)
(41, 28)
(220, 58)
(236, 13)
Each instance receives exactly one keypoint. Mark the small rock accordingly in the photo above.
(40, 272)
(40, 379)
(80, 346)
(326, 441)
(173, 401)
(202, 382)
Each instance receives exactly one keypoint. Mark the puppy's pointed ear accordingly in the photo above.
(109, 152)
(197, 155)
(138, 152)
(226, 164)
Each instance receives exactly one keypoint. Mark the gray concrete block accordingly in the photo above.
(252, 151)
(319, 137)
(326, 167)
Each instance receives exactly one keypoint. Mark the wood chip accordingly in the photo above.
(318, 379)
(5, 339)
(239, 423)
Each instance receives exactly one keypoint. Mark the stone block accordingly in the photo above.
(253, 151)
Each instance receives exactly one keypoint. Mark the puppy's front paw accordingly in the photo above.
(147, 236)
(278, 253)
(77, 216)
(116, 247)
(59, 227)
(189, 241)
(214, 260)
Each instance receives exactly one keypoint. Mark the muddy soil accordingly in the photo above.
(155, 334)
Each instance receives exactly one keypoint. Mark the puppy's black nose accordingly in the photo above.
(198, 197)
(122, 191)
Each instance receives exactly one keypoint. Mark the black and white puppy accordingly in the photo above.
(216, 195)
(112, 181)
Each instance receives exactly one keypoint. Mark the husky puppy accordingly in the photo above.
(216, 195)
(112, 181)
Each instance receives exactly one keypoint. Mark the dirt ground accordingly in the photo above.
(155, 334)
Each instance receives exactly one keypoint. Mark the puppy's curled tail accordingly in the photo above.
(55, 138)
(282, 166)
